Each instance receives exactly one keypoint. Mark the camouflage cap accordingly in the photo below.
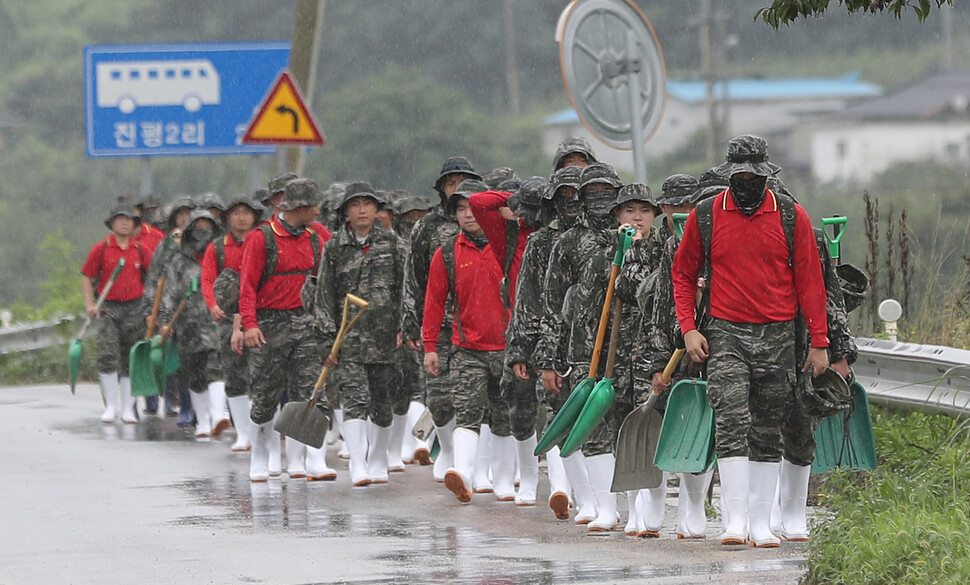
(526, 202)
(198, 215)
(122, 208)
(712, 182)
(564, 177)
(241, 199)
(599, 173)
(278, 183)
(300, 193)
(414, 203)
(569, 146)
(467, 188)
(262, 196)
(636, 192)
(854, 284)
(496, 177)
(212, 199)
(748, 154)
(456, 165)
(362, 189)
(677, 189)
(182, 202)
(827, 394)
(148, 202)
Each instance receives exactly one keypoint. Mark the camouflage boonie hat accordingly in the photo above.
(244, 200)
(526, 202)
(196, 216)
(748, 154)
(564, 177)
(677, 189)
(456, 165)
(262, 196)
(636, 192)
(569, 146)
(467, 188)
(300, 193)
(599, 173)
(414, 203)
(496, 177)
(148, 202)
(210, 199)
(183, 202)
(712, 182)
(122, 208)
(278, 183)
(854, 284)
(362, 189)
(225, 289)
(826, 394)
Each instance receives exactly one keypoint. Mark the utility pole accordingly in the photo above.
(707, 66)
(511, 58)
(304, 55)
(946, 12)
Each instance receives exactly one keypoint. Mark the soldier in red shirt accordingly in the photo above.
(119, 315)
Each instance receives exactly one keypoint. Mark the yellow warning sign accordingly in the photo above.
(283, 118)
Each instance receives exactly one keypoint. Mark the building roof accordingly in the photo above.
(935, 96)
(692, 92)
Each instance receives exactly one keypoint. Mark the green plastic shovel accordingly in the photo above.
(686, 442)
(562, 423)
(835, 241)
(74, 352)
(142, 379)
(846, 439)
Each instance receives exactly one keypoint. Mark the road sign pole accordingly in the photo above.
(307, 29)
(147, 176)
(636, 107)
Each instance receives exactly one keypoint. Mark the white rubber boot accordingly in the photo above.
(733, 472)
(576, 471)
(239, 407)
(654, 504)
(691, 515)
(601, 480)
(377, 453)
(203, 420)
(793, 496)
(316, 465)
(110, 391)
(528, 472)
(458, 478)
(295, 459)
(446, 452)
(218, 411)
(558, 484)
(129, 403)
(355, 437)
(395, 463)
(481, 482)
(634, 518)
(413, 450)
(763, 479)
(338, 427)
(275, 450)
(503, 467)
(259, 457)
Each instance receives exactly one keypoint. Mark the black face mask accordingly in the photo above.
(567, 210)
(405, 226)
(197, 240)
(748, 194)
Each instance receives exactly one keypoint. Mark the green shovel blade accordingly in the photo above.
(74, 361)
(597, 405)
(563, 421)
(846, 442)
(687, 434)
(171, 358)
(143, 382)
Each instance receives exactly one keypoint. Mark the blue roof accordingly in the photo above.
(847, 86)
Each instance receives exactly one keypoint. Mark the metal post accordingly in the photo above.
(147, 178)
(304, 52)
(636, 107)
(255, 173)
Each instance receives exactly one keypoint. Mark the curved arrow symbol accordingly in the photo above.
(292, 112)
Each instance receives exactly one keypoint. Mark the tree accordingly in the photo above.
(787, 11)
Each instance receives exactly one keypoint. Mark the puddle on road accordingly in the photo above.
(150, 428)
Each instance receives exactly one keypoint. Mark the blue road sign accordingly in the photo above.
(176, 100)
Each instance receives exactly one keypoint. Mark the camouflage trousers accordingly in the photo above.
(233, 367)
(412, 380)
(366, 390)
(438, 396)
(120, 326)
(751, 381)
(289, 361)
(523, 403)
(798, 432)
(476, 378)
(198, 369)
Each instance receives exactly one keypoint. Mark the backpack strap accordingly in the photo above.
(511, 244)
(272, 255)
(220, 249)
(786, 205)
(448, 256)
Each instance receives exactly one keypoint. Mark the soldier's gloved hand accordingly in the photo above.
(817, 360)
(431, 363)
(696, 345)
(551, 381)
(521, 370)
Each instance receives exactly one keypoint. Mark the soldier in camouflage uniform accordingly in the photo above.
(562, 349)
(213, 203)
(196, 336)
(573, 151)
(429, 233)
(366, 260)
(525, 326)
(285, 347)
(751, 339)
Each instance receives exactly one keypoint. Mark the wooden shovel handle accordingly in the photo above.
(614, 338)
(153, 318)
(345, 326)
(668, 372)
(594, 362)
(175, 318)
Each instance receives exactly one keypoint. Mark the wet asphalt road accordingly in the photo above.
(85, 502)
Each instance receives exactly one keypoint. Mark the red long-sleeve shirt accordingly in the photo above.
(483, 316)
(102, 260)
(751, 280)
(485, 206)
(211, 268)
(281, 291)
(149, 237)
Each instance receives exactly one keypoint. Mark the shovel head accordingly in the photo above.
(423, 426)
(559, 428)
(636, 447)
(600, 401)
(303, 423)
(74, 361)
(686, 440)
(846, 439)
(143, 381)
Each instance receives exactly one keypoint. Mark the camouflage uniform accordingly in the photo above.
(477, 395)
(367, 375)
(120, 326)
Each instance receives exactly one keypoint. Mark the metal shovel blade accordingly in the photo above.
(74, 361)
(687, 433)
(303, 423)
(636, 447)
(846, 439)
(423, 426)
(143, 381)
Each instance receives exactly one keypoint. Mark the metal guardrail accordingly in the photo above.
(33, 336)
(910, 376)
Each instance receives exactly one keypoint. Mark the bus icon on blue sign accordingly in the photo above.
(126, 86)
